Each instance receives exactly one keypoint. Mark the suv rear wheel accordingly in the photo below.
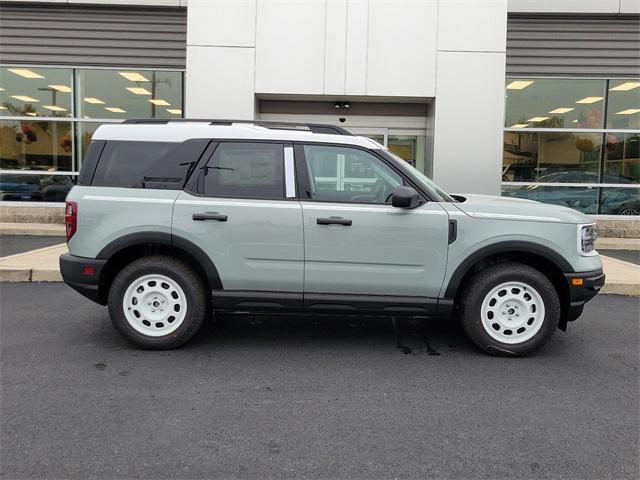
(509, 309)
(157, 302)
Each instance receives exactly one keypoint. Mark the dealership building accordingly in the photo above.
(529, 98)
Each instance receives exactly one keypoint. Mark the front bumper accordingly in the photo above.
(83, 275)
(583, 286)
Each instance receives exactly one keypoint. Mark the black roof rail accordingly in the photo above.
(311, 127)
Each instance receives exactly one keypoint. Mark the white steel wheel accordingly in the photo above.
(513, 312)
(154, 305)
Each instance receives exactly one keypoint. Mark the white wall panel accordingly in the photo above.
(335, 47)
(402, 48)
(629, 6)
(220, 82)
(357, 31)
(564, 6)
(223, 23)
(290, 46)
(469, 116)
(470, 25)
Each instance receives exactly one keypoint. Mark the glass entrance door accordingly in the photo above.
(407, 144)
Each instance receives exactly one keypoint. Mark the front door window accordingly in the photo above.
(343, 174)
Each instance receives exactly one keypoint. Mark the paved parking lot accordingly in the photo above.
(311, 398)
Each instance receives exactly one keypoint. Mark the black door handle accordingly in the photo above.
(335, 221)
(209, 216)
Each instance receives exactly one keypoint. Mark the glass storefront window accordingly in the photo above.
(35, 152)
(552, 157)
(36, 145)
(562, 162)
(622, 158)
(623, 105)
(37, 92)
(129, 93)
(554, 103)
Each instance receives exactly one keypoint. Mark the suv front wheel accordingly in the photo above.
(509, 309)
(157, 302)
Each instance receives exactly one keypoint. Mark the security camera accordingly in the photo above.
(342, 119)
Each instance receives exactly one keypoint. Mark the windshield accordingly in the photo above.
(439, 194)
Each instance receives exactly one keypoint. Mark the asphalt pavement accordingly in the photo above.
(296, 397)
(13, 244)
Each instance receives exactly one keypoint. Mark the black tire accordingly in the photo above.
(180, 273)
(481, 285)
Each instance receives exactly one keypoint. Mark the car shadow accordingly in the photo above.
(408, 336)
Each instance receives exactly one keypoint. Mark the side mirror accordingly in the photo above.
(405, 197)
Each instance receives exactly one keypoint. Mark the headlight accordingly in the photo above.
(587, 239)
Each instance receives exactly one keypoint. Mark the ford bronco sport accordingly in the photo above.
(174, 220)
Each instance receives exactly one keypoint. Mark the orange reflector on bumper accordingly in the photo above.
(576, 282)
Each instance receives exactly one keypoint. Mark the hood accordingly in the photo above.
(508, 208)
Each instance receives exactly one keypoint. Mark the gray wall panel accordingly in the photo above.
(100, 36)
(602, 45)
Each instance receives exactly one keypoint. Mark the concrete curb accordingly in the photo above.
(16, 274)
(40, 265)
(42, 229)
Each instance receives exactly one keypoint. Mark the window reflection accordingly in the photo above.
(583, 199)
(22, 187)
(129, 93)
(31, 91)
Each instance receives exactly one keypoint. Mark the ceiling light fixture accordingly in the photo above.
(61, 88)
(625, 87)
(54, 108)
(2, 107)
(115, 109)
(562, 110)
(589, 100)
(628, 111)
(24, 98)
(1, 89)
(159, 102)
(32, 114)
(175, 111)
(519, 84)
(134, 76)
(139, 91)
(94, 100)
(538, 119)
(24, 72)
(520, 125)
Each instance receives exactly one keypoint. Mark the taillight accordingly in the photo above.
(71, 218)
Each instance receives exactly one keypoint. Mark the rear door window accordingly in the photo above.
(147, 164)
(244, 170)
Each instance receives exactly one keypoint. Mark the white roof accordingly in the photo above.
(181, 131)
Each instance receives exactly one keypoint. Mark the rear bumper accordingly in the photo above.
(583, 286)
(75, 273)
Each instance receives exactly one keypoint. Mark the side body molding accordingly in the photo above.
(162, 238)
(511, 246)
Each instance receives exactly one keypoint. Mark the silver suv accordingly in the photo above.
(173, 220)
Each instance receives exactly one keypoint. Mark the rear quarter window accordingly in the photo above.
(163, 165)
